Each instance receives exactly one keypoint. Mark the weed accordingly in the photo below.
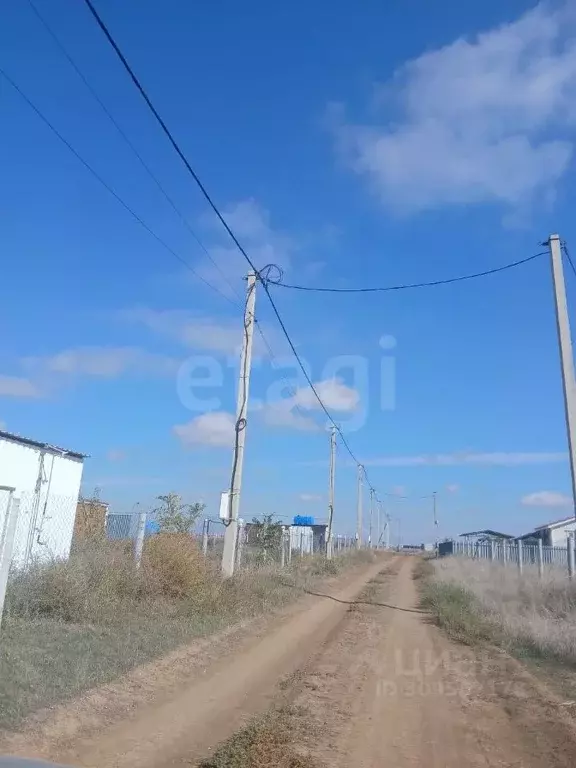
(265, 743)
(527, 615)
(72, 625)
(456, 610)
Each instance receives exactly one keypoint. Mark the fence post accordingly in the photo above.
(7, 545)
(520, 555)
(139, 543)
(289, 537)
(505, 552)
(283, 548)
(205, 529)
(240, 545)
(540, 559)
(491, 550)
(570, 556)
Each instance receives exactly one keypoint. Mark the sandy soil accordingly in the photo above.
(375, 684)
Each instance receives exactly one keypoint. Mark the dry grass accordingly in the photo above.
(481, 600)
(269, 742)
(70, 626)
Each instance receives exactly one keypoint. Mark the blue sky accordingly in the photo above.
(351, 147)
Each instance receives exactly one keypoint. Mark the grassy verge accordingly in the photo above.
(533, 619)
(70, 626)
(456, 610)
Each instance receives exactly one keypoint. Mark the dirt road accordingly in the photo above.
(374, 683)
(393, 691)
(188, 720)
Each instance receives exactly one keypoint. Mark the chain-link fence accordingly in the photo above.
(44, 531)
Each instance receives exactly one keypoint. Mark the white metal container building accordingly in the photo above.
(556, 534)
(47, 481)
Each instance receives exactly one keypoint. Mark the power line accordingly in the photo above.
(312, 387)
(567, 254)
(290, 388)
(433, 283)
(125, 137)
(166, 130)
(220, 217)
(106, 186)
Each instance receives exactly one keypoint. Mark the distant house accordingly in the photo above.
(486, 535)
(46, 479)
(554, 534)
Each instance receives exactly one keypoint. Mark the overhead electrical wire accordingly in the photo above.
(408, 286)
(266, 282)
(106, 186)
(567, 254)
(220, 217)
(167, 131)
(274, 362)
(129, 143)
(313, 388)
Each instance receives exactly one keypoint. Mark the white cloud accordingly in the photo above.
(306, 497)
(291, 412)
(485, 119)
(284, 414)
(16, 386)
(116, 454)
(102, 362)
(190, 329)
(546, 499)
(250, 222)
(335, 395)
(198, 332)
(215, 429)
(467, 457)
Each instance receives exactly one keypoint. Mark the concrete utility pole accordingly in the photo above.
(378, 523)
(359, 508)
(371, 517)
(331, 493)
(566, 357)
(435, 520)
(388, 524)
(231, 533)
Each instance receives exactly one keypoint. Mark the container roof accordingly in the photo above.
(488, 532)
(556, 523)
(37, 444)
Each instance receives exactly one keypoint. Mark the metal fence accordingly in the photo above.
(517, 553)
(280, 545)
(258, 545)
